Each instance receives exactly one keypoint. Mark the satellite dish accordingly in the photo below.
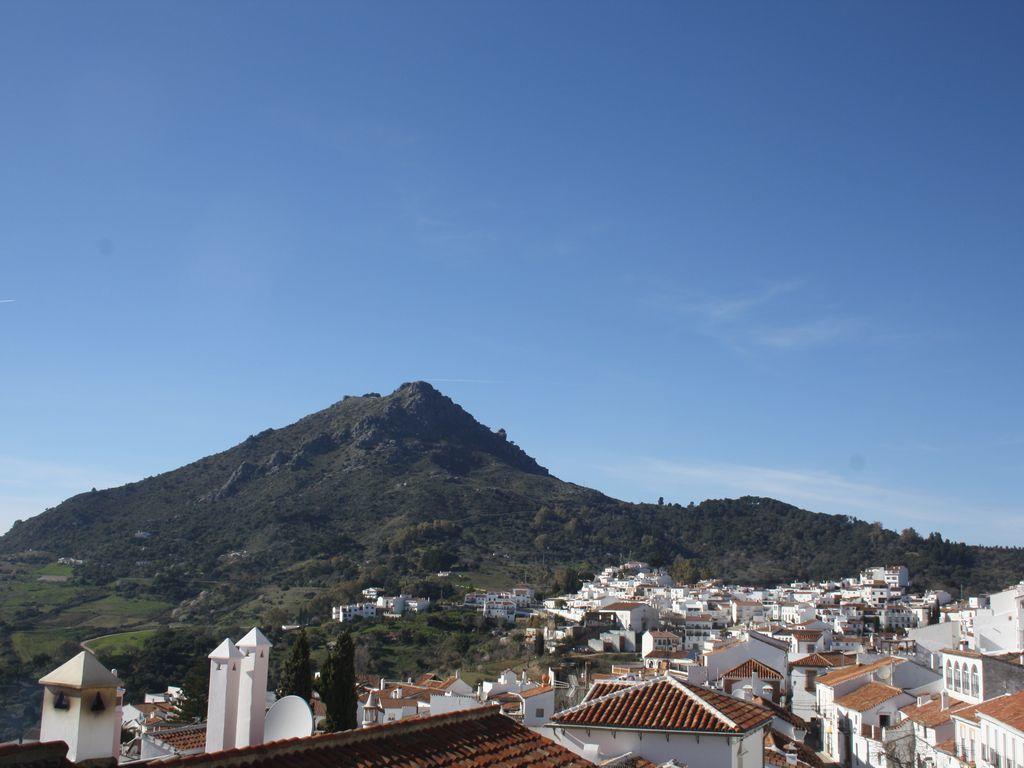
(289, 718)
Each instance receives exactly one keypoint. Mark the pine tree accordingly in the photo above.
(338, 685)
(297, 673)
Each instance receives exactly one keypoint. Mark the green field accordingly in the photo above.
(120, 643)
(113, 612)
(28, 645)
(55, 569)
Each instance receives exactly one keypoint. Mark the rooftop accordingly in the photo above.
(480, 737)
(843, 674)
(82, 671)
(933, 713)
(749, 668)
(1008, 710)
(666, 704)
(868, 696)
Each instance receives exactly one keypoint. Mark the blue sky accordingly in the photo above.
(675, 249)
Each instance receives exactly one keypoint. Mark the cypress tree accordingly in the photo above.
(338, 685)
(297, 672)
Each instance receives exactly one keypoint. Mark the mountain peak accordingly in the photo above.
(418, 411)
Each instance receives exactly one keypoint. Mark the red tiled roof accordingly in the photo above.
(184, 739)
(51, 754)
(749, 668)
(603, 688)
(621, 606)
(932, 713)
(1005, 709)
(480, 737)
(970, 714)
(541, 689)
(843, 674)
(807, 634)
(812, 660)
(868, 696)
(666, 704)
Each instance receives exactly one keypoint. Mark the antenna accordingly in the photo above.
(289, 718)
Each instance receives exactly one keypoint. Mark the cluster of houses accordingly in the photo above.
(706, 675)
(876, 601)
(502, 606)
(376, 604)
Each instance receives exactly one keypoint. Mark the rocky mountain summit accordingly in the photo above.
(410, 483)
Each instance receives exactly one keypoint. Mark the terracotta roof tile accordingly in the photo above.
(812, 660)
(184, 739)
(1005, 709)
(868, 696)
(51, 754)
(748, 668)
(482, 738)
(932, 714)
(666, 704)
(539, 690)
(843, 674)
(621, 606)
(970, 714)
(807, 634)
(603, 688)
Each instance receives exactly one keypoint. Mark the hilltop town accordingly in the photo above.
(859, 672)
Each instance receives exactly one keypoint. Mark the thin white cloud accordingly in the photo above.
(763, 320)
(818, 491)
(809, 334)
(727, 309)
(7, 301)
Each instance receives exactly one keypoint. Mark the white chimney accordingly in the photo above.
(222, 707)
(81, 707)
(252, 688)
(944, 700)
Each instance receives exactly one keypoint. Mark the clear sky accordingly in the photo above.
(675, 249)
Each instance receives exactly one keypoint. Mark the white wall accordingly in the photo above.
(538, 709)
(88, 734)
(704, 750)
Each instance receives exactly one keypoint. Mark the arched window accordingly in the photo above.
(975, 687)
(956, 677)
(949, 673)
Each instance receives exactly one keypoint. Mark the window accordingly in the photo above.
(974, 681)
(539, 712)
(956, 677)
(809, 681)
(949, 674)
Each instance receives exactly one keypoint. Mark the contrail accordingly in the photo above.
(7, 301)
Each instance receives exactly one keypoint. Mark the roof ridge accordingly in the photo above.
(705, 704)
(623, 687)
